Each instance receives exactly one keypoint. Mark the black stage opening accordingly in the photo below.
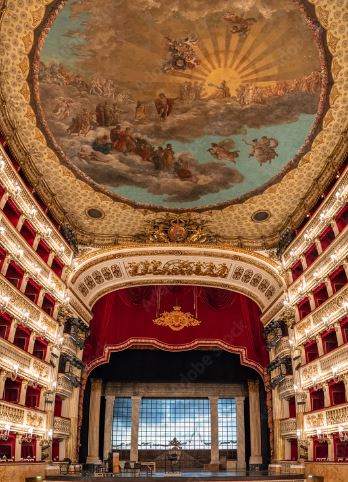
(194, 366)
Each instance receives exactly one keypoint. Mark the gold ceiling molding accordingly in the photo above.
(267, 265)
(245, 274)
(96, 257)
(213, 284)
(288, 201)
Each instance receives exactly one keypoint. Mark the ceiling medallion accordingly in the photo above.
(177, 230)
(260, 216)
(95, 213)
(176, 320)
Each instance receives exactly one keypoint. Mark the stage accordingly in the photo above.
(187, 476)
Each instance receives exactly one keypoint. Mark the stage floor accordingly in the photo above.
(201, 476)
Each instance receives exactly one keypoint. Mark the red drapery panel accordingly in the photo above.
(124, 318)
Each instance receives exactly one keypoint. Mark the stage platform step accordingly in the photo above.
(188, 476)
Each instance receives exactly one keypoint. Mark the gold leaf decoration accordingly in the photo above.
(176, 320)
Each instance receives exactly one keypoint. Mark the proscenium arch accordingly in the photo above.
(219, 341)
(103, 271)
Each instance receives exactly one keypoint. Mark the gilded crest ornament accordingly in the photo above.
(176, 320)
(177, 230)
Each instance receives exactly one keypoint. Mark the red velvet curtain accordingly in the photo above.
(125, 317)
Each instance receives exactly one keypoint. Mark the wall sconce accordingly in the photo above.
(28, 437)
(4, 433)
(46, 440)
(336, 378)
(322, 437)
(15, 189)
(334, 257)
(50, 394)
(33, 383)
(32, 212)
(316, 385)
(14, 372)
(340, 195)
(4, 301)
(24, 317)
(342, 434)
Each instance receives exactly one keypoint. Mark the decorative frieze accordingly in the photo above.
(68, 345)
(286, 387)
(283, 347)
(330, 419)
(64, 385)
(288, 426)
(11, 414)
(321, 370)
(61, 426)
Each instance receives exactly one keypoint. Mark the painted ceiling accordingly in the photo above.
(136, 108)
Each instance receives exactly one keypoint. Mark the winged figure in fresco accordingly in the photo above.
(263, 149)
(238, 24)
(182, 55)
(222, 151)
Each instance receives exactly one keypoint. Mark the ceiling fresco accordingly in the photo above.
(185, 107)
(254, 109)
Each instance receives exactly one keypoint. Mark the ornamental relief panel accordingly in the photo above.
(288, 426)
(11, 414)
(315, 420)
(310, 372)
(177, 268)
(337, 416)
(61, 425)
(34, 420)
(246, 275)
(99, 277)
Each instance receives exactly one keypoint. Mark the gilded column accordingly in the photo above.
(135, 428)
(94, 416)
(3, 376)
(109, 408)
(240, 433)
(339, 334)
(71, 443)
(214, 427)
(255, 424)
(320, 345)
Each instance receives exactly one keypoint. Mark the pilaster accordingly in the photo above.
(94, 416)
(214, 427)
(136, 401)
(255, 424)
(241, 464)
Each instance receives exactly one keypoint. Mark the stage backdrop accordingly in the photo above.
(124, 319)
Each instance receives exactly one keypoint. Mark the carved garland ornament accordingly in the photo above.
(177, 268)
(176, 320)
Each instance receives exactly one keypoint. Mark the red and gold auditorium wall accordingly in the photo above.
(124, 319)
